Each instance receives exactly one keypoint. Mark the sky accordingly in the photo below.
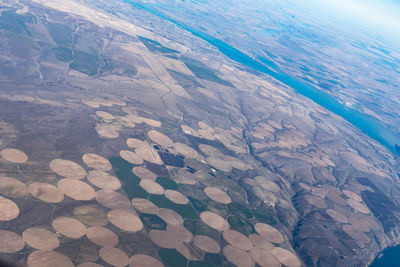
(380, 17)
(384, 13)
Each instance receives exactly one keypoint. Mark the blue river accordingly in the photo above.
(368, 125)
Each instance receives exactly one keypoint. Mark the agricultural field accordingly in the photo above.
(121, 146)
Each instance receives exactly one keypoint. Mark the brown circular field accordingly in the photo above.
(237, 163)
(260, 242)
(269, 232)
(338, 216)
(170, 216)
(267, 184)
(67, 168)
(69, 227)
(320, 192)
(180, 233)
(126, 122)
(217, 195)
(250, 181)
(102, 101)
(114, 256)
(112, 199)
(143, 260)
(204, 125)
(11, 187)
(163, 239)
(286, 257)
(144, 173)
(214, 220)
(238, 257)
(90, 215)
(219, 164)
(352, 195)
(131, 157)
(144, 205)
(46, 192)
(238, 240)
(211, 151)
(187, 151)
(133, 117)
(14, 155)
(135, 143)
(8, 209)
(106, 131)
(125, 220)
(264, 258)
(90, 103)
(76, 189)
(96, 162)
(117, 101)
(105, 115)
(10, 242)
(206, 134)
(151, 122)
(275, 124)
(47, 258)
(184, 177)
(40, 238)
(316, 201)
(160, 138)
(89, 264)
(206, 244)
(103, 180)
(176, 197)
(357, 206)
(102, 236)
(151, 187)
(355, 233)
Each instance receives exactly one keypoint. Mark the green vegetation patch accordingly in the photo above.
(84, 62)
(19, 43)
(218, 208)
(241, 225)
(155, 46)
(185, 80)
(130, 181)
(203, 72)
(61, 34)
(172, 257)
(210, 205)
(118, 68)
(199, 205)
(63, 54)
(13, 22)
(134, 190)
(239, 210)
(264, 217)
(197, 227)
(198, 264)
(167, 183)
(186, 211)
(153, 221)
(212, 259)
(119, 163)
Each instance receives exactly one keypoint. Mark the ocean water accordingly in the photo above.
(368, 125)
(390, 258)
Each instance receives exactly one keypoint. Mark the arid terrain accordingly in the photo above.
(121, 145)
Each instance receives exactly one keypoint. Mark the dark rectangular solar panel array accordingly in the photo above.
(171, 160)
